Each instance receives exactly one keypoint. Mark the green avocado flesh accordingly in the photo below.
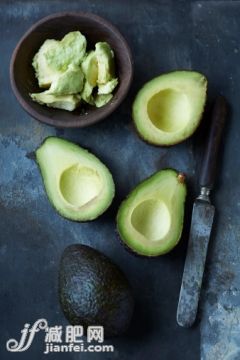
(168, 109)
(78, 184)
(94, 291)
(64, 68)
(102, 99)
(105, 58)
(65, 102)
(70, 50)
(70, 82)
(45, 73)
(150, 220)
(90, 68)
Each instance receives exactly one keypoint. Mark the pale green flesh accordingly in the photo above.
(70, 50)
(44, 73)
(64, 68)
(87, 93)
(108, 87)
(145, 219)
(105, 59)
(103, 99)
(150, 220)
(90, 68)
(168, 108)
(66, 102)
(70, 82)
(77, 183)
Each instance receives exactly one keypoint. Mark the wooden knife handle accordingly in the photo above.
(209, 164)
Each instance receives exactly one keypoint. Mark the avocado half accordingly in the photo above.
(168, 109)
(78, 184)
(150, 220)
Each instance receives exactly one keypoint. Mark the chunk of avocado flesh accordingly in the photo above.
(150, 220)
(70, 50)
(64, 102)
(70, 82)
(87, 93)
(103, 99)
(78, 184)
(90, 68)
(108, 87)
(168, 109)
(105, 59)
(44, 72)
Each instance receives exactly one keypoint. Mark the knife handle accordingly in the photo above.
(209, 164)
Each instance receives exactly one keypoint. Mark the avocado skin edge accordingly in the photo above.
(94, 291)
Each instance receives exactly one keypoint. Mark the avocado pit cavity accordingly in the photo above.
(79, 185)
(152, 219)
(169, 110)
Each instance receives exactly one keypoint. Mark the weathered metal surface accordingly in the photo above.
(201, 226)
(163, 35)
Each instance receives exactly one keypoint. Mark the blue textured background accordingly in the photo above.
(163, 35)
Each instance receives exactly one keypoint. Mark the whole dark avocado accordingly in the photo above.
(94, 291)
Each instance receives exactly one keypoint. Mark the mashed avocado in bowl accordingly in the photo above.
(71, 75)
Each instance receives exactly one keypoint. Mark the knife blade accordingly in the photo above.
(202, 221)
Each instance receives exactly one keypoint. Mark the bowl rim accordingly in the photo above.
(71, 123)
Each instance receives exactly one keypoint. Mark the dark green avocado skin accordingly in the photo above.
(94, 291)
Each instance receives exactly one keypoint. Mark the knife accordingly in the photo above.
(202, 221)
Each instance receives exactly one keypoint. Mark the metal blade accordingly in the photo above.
(202, 220)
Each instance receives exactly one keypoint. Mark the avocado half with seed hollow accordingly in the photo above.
(168, 109)
(78, 184)
(150, 220)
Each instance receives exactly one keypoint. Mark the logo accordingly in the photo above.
(58, 340)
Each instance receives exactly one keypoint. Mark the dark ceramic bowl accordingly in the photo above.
(55, 26)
